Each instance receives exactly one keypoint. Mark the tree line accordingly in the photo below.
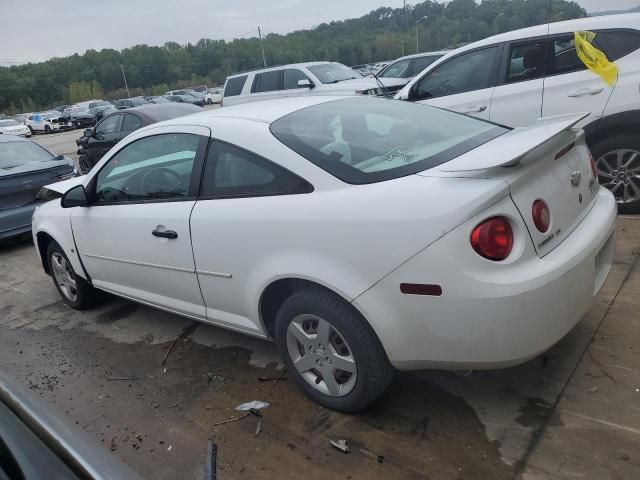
(382, 34)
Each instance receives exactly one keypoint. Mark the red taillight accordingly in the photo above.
(493, 238)
(541, 215)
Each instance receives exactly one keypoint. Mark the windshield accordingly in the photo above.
(333, 72)
(14, 154)
(366, 140)
(8, 123)
(138, 101)
(399, 69)
(99, 104)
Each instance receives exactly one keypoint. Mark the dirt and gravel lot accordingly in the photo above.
(573, 412)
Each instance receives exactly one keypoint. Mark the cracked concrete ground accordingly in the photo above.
(573, 412)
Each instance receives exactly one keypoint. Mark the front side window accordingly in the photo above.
(233, 172)
(109, 125)
(333, 72)
(464, 73)
(420, 63)
(366, 140)
(267, 82)
(526, 62)
(152, 168)
(401, 69)
(234, 86)
(291, 78)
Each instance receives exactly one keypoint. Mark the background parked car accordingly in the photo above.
(97, 141)
(99, 103)
(516, 77)
(129, 103)
(408, 67)
(79, 117)
(158, 99)
(213, 95)
(314, 78)
(186, 98)
(10, 126)
(20, 118)
(47, 122)
(25, 166)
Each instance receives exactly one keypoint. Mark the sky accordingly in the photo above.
(36, 30)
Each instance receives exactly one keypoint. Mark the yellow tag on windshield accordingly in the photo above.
(594, 58)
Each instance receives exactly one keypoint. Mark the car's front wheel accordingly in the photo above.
(74, 290)
(331, 351)
(31, 130)
(47, 129)
(209, 101)
(618, 162)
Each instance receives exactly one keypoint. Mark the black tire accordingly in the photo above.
(86, 295)
(604, 147)
(31, 130)
(374, 372)
(47, 129)
(209, 101)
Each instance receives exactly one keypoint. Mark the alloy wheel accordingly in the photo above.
(64, 276)
(619, 171)
(321, 355)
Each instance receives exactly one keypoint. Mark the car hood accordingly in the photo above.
(65, 185)
(363, 84)
(13, 128)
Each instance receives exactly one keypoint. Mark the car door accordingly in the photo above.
(267, 85)
(291, 77)
(463, 83)
(225, 228)
(106, 134)
(569, 87)
(517, 99)
(134, 238)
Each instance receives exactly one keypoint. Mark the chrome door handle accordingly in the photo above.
(474, 109)
(586, 91)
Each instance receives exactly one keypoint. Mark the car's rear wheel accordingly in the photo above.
(209, 101)
(47, 129)
(74, 290)
(331, 351)
(618, 162)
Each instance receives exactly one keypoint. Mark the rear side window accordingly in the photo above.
(526, 62)
(267, 82)
(563, 57)
(234, 172)
(618, 43)
(131, 123)
(234, 86)
(419, 64)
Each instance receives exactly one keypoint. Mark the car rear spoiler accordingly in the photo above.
(511, 148)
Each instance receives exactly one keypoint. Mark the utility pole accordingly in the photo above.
(125, 81)
(406, 15)
(418, 33)
(403, 44)
(264, 59)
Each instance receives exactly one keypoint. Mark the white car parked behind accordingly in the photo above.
(517, 77)
(361, 234)
(213, 95)
(11, 127)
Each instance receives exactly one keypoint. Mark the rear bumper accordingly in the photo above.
(491, 315)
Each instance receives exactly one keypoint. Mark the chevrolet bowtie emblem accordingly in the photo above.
(576, 177)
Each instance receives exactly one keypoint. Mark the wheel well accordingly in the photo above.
(44, 239)
(275, 295)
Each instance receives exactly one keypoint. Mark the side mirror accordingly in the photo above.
(306, 83)
(88, 132)
(76, 197)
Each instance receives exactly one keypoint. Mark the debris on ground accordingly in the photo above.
(340, 445)
(235, 419)
(212, 378)
(211, 465)
(170, 447)
(255, 405)
(593, 390)
(275, 380)
(367, 453)
(258, 427)
(114, 447)
(186, 331)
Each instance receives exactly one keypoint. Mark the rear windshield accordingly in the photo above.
(234, 86)
(13, 154)
(366, 140)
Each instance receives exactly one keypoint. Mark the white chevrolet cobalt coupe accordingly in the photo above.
(361, 234)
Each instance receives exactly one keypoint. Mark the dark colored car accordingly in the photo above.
(25, 167)
(97, 141)
(102, 111)
(80, 117)
(187, 98)
(130, 103)
(35, 444)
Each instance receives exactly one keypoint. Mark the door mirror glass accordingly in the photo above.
(88, 132)
(76, 197)
(306, 83)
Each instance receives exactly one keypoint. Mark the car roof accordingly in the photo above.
(161, 111)
(419, 55)
(280, 67)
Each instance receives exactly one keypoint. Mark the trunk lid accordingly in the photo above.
(549, 161)
(20, 185)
